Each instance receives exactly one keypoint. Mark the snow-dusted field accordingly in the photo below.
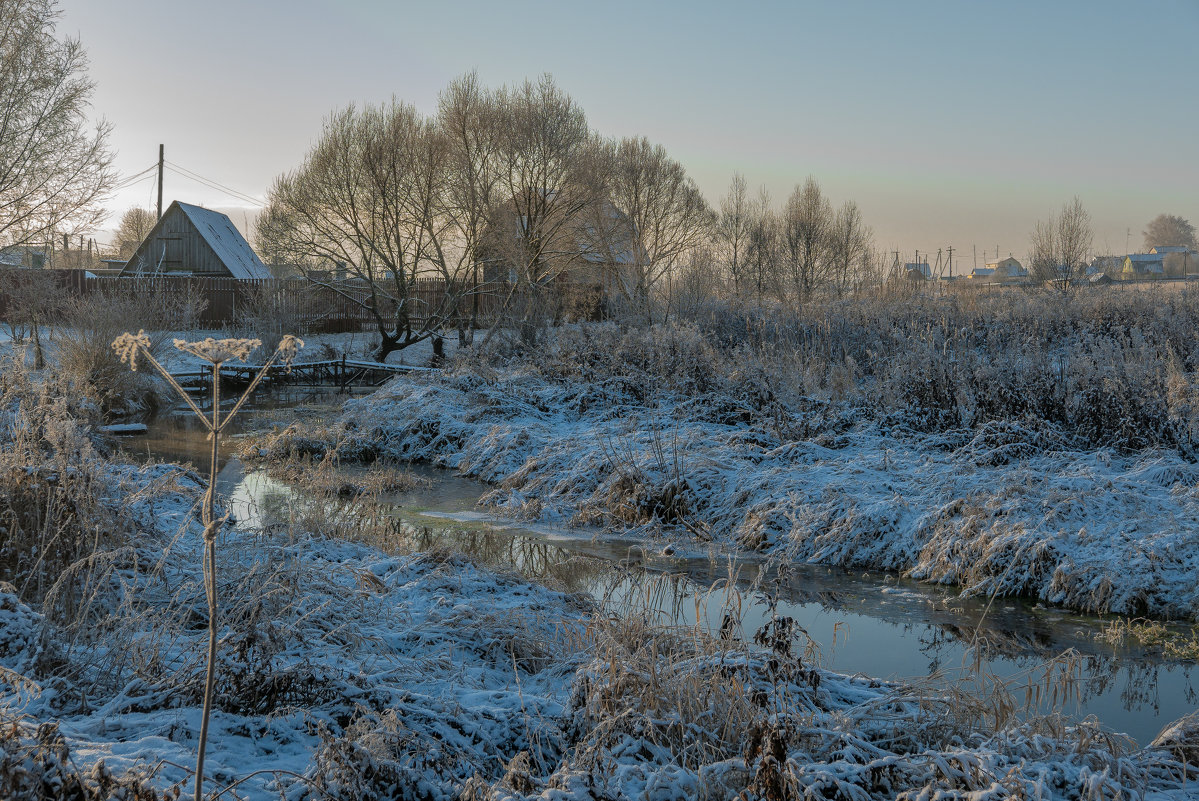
(348, 673)
(1007, 507)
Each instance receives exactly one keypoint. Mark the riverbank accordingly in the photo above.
(348, 672)
(687, 446)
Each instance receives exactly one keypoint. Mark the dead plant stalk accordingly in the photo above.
(215, 352)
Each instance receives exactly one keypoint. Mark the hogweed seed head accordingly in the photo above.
(126, 346)
(288, 348)
(217, 351)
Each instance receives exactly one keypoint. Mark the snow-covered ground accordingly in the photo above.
(1008, 507)
(348, 673)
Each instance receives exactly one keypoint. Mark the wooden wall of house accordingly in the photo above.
(186, 250)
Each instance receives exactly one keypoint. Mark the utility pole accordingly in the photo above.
(160, 160)
(951, 261)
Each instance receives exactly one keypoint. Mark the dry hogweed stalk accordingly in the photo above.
(215, 352)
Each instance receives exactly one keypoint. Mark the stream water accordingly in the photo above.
(868, 623)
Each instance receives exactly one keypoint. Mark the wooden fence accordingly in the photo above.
(342, 306)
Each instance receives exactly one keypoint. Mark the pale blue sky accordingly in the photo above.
(950, 123)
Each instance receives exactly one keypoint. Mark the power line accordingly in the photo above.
(186, 173)
(132, 179)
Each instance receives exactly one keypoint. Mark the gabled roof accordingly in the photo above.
(219, 233)
(1170, 249)
(226, 241)
(1144, 262)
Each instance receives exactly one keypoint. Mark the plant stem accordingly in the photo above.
(210, 585)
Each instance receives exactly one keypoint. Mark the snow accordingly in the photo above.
(1011, 508)
(226, 241)
(345, 671)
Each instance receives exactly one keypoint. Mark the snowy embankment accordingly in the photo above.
(347, 673)
(1006, 507)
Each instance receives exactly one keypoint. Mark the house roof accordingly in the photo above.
(920, 267)
(1170, 249)
(1144, 258)
(983, 271)
(226, 241)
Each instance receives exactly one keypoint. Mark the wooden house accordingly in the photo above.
(1006, 269)
(1142, 265)
(190, 240)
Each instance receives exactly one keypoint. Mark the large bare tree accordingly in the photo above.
(55, 168)
(762, 250)
(1060, 244)
(848, 248)
(548, 180)
(471, 121)
(733, 232)
(370, 199)
(660, 216)
(806, 222)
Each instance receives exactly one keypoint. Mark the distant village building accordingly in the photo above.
(1006, 269)
(1143, 265)
(23, 256)
(596, 248)
(917, 271)
(190, 240)
(1109, 265)
(1178, 260)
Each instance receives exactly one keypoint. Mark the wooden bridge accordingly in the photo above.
(341, 373)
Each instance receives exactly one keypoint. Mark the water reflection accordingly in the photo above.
(873, 624)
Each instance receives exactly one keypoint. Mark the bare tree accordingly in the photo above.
(470, 119)
(1059, 245)
(848, 247)
(806, 222)
(369, 198)
(762, 250)
(54, 171)
(548, 178)
(136, 224)
(1165, 230)
(660, 216)
(734, 229)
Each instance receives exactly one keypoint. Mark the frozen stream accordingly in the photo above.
(873, 624)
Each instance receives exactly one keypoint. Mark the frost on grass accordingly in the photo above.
(658, 434)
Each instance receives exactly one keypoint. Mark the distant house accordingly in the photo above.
(1110, 265)
(190, 240)
(23, 256)
(982, 274)
(1143, 265)
(1179, 260)
(596, 247)
(917, 271)
(1006, 269)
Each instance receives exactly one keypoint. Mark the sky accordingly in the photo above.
(949, 123)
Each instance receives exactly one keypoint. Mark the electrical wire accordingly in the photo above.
(186, 173)
(132, 179)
